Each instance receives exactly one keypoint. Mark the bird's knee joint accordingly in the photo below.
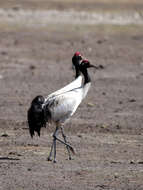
(64, 136)
(54, 136)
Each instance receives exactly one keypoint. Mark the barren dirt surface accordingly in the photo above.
(107, 128)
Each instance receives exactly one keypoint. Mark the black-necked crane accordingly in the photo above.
(59, 106)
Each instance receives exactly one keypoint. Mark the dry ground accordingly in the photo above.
(107, 128)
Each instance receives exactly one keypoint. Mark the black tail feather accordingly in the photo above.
(36, 119)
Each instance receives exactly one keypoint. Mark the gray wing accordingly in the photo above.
(77, 83)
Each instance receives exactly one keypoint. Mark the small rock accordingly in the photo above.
(4, 135)
(132, 162)
(32, 67)
(89, 49)
(99, 41)
(16, 8)
(120, 102)
(102, 186)
(80, 136)
(20, 104)
(14, 153)
(132, 100)
(4, 53)
(118, 126)
(104, 126)
(90, 104)
(116, 175)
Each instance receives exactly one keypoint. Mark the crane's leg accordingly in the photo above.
(53, 146)
(50, 154)
(65, 140)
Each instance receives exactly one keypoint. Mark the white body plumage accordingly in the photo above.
(63, 103)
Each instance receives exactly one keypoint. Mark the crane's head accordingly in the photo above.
(85, 64)
(76, 60)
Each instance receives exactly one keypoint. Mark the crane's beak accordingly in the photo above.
(97, 67)
(93, 66)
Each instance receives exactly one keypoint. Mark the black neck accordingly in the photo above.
(77, 72)
(76, 63)
(86, 76)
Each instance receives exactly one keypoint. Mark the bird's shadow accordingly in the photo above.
(8, 158)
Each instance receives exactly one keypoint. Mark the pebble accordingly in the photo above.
(1, 77)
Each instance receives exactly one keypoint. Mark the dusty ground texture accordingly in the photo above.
(107, 128)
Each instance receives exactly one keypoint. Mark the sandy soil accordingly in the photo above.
(106, 130)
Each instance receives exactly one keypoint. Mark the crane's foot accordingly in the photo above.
(49, 159)
(54, 161)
